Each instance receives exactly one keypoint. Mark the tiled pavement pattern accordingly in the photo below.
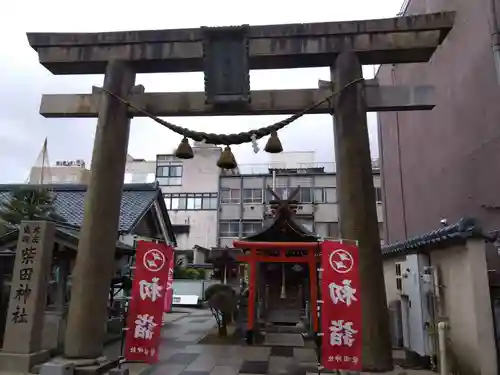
(181, 355)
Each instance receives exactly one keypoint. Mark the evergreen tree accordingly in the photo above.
(29, 203)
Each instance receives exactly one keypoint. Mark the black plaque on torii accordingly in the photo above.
(226, 66)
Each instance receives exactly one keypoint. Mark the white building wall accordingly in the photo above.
(138, 171)
(199, 175)
(202, 228)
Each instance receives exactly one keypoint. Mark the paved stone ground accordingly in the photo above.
(181, 355)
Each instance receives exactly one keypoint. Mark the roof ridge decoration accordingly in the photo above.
(465, 228)
(283, 228)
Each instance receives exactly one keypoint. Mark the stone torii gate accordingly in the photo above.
(226, 55)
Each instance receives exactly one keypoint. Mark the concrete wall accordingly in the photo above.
(463, 300)
(438, 164)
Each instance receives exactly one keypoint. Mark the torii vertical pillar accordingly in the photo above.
(357, 210)
(95, 262)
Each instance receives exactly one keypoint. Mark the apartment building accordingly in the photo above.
(244, 199)
(210, 207)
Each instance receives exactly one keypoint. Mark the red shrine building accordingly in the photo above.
(281, 264)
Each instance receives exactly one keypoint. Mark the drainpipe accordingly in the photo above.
(400, 167)
(494, 20)
(443, 361)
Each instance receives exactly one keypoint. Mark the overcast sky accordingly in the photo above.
(23, 80)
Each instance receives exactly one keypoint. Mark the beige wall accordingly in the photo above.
(59, 175)
(464, 302)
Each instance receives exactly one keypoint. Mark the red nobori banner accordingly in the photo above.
(341, 307)
(169, 294)
(145, 313)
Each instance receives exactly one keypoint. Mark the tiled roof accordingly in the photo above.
(67, 234)
(69, 202)
(463, 229)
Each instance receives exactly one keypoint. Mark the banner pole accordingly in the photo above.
(125, 315)
(318, 338)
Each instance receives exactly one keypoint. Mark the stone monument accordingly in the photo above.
(22, 345)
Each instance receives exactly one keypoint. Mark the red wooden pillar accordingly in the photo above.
(252, 280)
(313, 281)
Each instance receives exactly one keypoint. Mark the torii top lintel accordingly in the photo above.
(284, 231)
(405, 39)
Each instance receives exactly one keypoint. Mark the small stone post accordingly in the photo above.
(95, 262)
(22, 344)
(357, 210)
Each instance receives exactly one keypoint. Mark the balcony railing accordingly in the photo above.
(294, 168)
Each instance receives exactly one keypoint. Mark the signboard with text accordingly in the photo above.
(341, 308)
(146, 307)
(70, 163)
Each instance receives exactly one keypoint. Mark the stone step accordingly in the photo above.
(92, 369)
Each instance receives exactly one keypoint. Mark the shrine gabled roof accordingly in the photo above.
(136, 200)
(283, 229)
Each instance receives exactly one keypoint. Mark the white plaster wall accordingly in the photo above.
(202, 228)
(200, 174)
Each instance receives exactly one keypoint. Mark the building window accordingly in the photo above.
(230, 195)
(378, 195)
(169, 174)
(251, 227)
(325, 195)
(128, 178)
(252, 195)
(327, 230)
(191, 201)
(305, 195)
(282, 192)
(229, 228)
(319, 195)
